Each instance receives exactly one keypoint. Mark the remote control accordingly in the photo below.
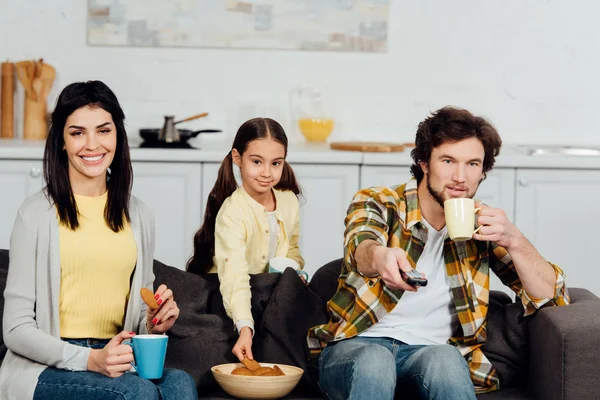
(414, 278)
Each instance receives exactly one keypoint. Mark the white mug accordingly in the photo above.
(279, 264)
(460, 218)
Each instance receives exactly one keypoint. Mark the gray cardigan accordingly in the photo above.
(31, 323)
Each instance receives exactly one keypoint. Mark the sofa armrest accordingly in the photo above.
(565, 348)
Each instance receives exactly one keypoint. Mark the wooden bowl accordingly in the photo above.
(257, 387)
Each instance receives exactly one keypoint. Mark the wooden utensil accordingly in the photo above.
(193, 117)
(7, 111)
(376, 147)
(37, 79)
(47, 75)
(25, 72)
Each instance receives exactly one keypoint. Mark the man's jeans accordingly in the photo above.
(60, 384)
(376, 368)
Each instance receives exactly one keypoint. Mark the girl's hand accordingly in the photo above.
(162, 319)
(243, 346)
(114, 359)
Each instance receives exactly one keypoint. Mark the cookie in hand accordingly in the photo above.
(148, 298)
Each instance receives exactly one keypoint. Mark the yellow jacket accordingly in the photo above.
(242, 245)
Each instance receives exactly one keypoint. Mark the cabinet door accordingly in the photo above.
(327, 191)
(497, 190)
(558, 212)
(210, 171)
(18, 179)
(172, 191)
(383, 175)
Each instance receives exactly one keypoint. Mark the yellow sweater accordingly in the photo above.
(242, 245)
(96, 266)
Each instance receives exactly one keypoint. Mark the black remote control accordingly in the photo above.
(413, 278)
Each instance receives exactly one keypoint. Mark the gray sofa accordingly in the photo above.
(552, 355)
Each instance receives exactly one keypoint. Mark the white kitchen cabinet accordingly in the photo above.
(18, 179)
(383, 175)
(210, 172)
(173, 193)
(326, 194)
(497, 190)
(558, 212)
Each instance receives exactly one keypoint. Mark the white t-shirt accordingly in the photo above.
(427, 316)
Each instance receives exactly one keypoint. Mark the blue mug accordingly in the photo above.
(149, 352)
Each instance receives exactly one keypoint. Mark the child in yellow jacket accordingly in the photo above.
(245, 227)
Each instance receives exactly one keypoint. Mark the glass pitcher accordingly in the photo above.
(310, 113)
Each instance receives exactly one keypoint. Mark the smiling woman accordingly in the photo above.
(87, 137)
(90, 142)
(80, 252)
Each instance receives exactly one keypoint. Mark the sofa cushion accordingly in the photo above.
(204, 335)
(3, 274)
(281, 333)
(507, 340)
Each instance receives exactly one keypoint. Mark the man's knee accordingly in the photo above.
(359, 366)
(375, 363)
(445, 363)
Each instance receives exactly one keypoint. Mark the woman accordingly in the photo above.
(80, 252)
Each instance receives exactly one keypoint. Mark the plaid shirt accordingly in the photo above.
(392, 217)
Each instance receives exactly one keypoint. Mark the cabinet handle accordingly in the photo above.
(522, 181)
(35, 172)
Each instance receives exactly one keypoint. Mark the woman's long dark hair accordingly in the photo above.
(204, 240)
(56, 163)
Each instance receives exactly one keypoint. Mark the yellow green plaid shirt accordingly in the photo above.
(392, 217)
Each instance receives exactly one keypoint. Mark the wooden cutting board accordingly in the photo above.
(376, 147)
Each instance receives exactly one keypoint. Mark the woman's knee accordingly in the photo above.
(143, 389)
(177, 384)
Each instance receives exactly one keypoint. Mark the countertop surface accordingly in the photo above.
(511, 156)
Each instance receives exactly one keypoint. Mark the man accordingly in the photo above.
(386, 336)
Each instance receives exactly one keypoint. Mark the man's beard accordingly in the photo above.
(437, 196)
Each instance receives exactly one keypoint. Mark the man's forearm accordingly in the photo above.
(364, 257)
(536, 274)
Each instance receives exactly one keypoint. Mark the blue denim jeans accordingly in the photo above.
(378, 368)
(61, 384)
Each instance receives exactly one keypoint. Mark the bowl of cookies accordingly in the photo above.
(253, 380)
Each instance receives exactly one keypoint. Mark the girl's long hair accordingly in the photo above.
(204, 240)
(56, 163)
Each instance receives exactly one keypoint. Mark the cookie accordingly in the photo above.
(242, 371)
(148, 298)
(264, 371)
(252, 365)
(278, 370)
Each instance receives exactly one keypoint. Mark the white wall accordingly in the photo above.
(528, 65)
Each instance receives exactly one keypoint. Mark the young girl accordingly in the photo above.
(246, 227)
(80, 251)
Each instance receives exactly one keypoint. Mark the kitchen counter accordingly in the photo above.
(511, 156)
(303, 153)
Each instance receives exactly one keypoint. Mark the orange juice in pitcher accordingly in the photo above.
(308, 109)
(316, 129)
